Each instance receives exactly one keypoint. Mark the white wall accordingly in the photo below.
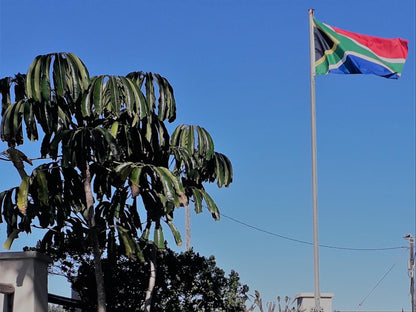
(27, 272)
(306, 302)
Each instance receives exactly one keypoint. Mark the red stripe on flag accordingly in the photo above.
(390, 48)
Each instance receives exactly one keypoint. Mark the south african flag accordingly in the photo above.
(342, 52)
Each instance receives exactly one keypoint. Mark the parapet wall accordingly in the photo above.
(27, 272)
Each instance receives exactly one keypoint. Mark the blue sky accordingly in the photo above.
(240, 69)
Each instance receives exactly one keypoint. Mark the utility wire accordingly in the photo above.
(306, 242)
(381, 279)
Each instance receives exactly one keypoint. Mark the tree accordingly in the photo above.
(185, 282)
(55, 308)
(107, 145)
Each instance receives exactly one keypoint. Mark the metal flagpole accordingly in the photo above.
(314, 166)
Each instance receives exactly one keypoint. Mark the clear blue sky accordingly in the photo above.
(240, 69)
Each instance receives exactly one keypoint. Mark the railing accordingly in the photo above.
(64, 301)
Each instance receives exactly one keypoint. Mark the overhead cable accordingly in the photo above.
(306, 242)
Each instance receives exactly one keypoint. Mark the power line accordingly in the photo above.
(306, 242)
(381, 279)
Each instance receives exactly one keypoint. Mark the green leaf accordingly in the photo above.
(228, 168)
(22, 196)
(8, 209)
(98, 91)
(102, 141)
(124, 170)
(32, 78)
(179, 190)
(150, 92)
(72, 82)
(78, 74)
(58, 74)
(169, 188)
(45, 78)
(42, 184)
(17, 122)
(212, 207)
(94, 97)
(184, 141)
(115, 101)
(8, 243)
(128, 243)
(197, 200)
(167, 105)
(81, 69)
(146, 232)
(174, 138)
(176, 233)
(114, 129)
(159, 239)
(205, 143)
(31, 127)
(220, 171)
(129, 95)
(135, 175)
(7, 131)
(5, 84)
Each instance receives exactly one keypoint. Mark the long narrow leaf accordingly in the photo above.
(22, 195)
(81, 69)
(74, 82)
(114, 129)
(31, 78)
(128, 243)
(197, 200)
(150, 91)
(168, 185)
(146, 231)
(37, 79)
(98, 91)
(212, 207)
(176, 233)
(58, 74)
(129, 95)
(115, 101)
(29, 117)
(45, 84)
(5, 84)
(8, 243)
(158, 237)
(135, 176)
(124, 170)
(42, 184)
(174, 139)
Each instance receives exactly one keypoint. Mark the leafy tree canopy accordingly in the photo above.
(185, 282)
(112, 172)
(109, 131)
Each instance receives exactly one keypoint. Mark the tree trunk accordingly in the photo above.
(99, 276)
(187, 227)
(152, 281)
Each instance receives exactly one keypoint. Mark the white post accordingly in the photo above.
(27, 272)
(314, 165)
(411, 270)
(188, 227)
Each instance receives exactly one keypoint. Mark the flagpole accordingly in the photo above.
(314, 165)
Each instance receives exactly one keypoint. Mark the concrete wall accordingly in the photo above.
(28, 273)
(306, 302)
